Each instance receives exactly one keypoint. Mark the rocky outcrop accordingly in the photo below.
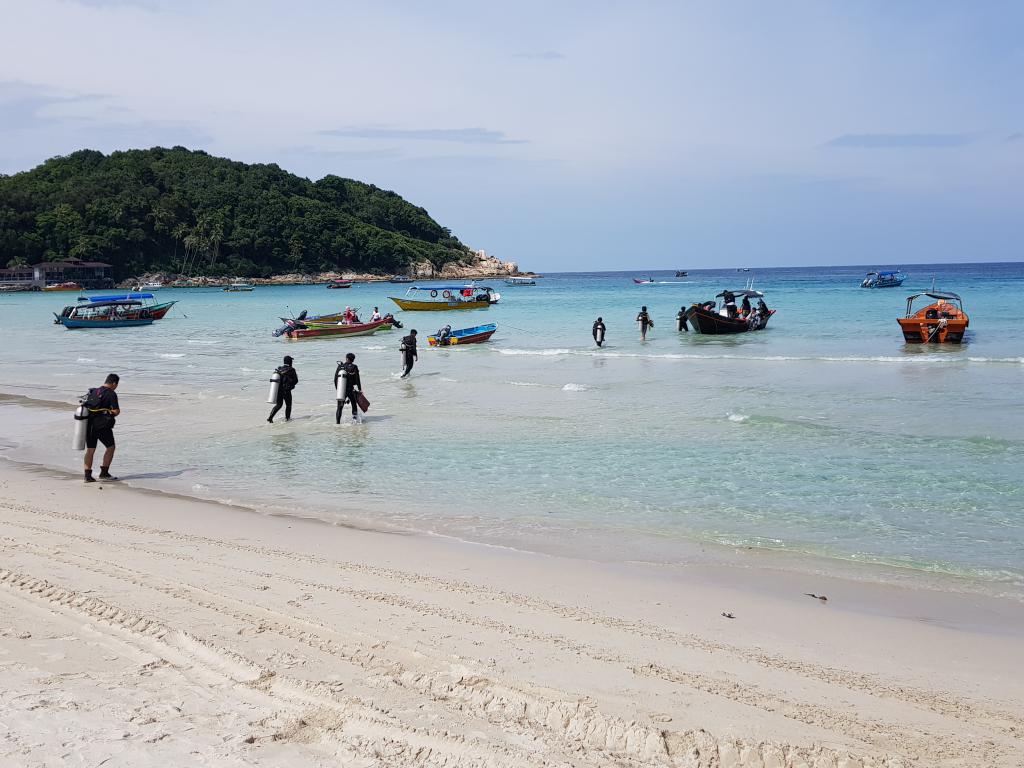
(481, 266)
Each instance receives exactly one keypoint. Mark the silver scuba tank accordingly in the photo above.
(342, 383)
(81, 424)
(275, 385)
(600, 335)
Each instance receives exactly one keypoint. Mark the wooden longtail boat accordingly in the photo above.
(304, 331)
(104, 314)
(63, 287)
(943, 322)
(706, 318)
(442, 298)
(474, 335)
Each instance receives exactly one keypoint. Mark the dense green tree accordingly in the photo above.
(185, 211)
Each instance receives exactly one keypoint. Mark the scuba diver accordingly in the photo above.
(289, 378)
(645, 322)
(681, 320)
(444, 336)
(599, 331)
(353, 386)
(409, 355)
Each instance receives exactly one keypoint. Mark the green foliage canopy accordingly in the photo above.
(179, 210)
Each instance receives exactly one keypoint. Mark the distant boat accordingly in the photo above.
(340, 284)
(648, 281)
(883, 279)
(239, 287)
(520, 281)
(941, 322)
(463, 336)
(149, 287)
(156, 311)
(63, 287)
(743, 269)
(400, 279)
(680, 273)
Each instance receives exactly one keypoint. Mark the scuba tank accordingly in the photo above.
(599, 337)
(81, 424)
(275, 386)
(342, 383)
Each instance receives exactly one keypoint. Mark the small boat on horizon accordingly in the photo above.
(943, 322)
(681, 273)
(475, 335)
(440, 298)
(148, 286)
(892, 279)
(104, 314)
(340, 284)
(520, 281)
(400, 279)
(239, 287)
(708, 319)
(639, 281)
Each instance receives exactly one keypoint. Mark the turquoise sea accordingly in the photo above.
(825, 434)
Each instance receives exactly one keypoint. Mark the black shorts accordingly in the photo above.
(104, 435)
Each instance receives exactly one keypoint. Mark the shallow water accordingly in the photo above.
(824, 434)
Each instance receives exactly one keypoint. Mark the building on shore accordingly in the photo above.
(88, 274)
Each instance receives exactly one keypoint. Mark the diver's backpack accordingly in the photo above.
(92, 401)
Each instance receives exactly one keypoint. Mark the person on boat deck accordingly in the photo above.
(708, 306)
(444, 336)
(681, 320)
(409, 354)
(729, 303)
(645, 322)
(289, 378)
(103, 409)
(349, 317)
(375, 316)
(353, 386)
(599, 331)
(762, 308)
(745, 307)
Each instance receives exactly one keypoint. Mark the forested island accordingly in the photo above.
(186, 212)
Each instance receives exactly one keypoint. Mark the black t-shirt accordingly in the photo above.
(107, 399)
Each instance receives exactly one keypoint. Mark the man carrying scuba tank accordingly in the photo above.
(351, 388)
(102, 407)
(409, 354)
(289, 378)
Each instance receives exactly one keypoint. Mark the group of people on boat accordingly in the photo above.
(755, 317)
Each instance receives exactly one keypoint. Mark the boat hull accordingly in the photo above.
(70, 322)
(934, 330)
(464, 336)
(412, 305)
(159, 311)
(714, 324)
(317, 331)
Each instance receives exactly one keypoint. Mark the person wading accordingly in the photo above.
(353, 386)
(289, 378)
(103, 408)
(409, 354)
(599, 331)
(681, 320)
(645, 322)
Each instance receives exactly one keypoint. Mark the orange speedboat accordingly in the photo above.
(944, 322)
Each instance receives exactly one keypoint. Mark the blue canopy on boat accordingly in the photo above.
(118, 297)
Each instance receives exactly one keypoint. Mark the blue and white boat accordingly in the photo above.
(105, 314)
(474, 335)
(883, 279)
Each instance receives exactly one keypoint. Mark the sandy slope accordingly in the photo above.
(140, 629)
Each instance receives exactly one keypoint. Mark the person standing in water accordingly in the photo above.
(353, 386)
(289, 378)
(103, 409)
(681, 320)
(599, 331)
(409, 354)
(645, 322)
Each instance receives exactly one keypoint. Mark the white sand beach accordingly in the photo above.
(142, 629)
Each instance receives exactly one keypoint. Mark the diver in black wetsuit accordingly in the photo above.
(289, 378)
(352, 386)
(599, 331)
(681, 320)
(409, 355)
(729, 302)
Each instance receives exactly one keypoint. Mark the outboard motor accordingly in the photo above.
(81, 424)
(275, 385)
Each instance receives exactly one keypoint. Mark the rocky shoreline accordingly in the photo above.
(483, 267)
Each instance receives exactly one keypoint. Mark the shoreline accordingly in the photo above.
(459, 654)
(688, 552)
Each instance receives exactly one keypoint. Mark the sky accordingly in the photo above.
(569, 135)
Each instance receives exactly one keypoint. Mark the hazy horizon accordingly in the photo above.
(573, 137)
